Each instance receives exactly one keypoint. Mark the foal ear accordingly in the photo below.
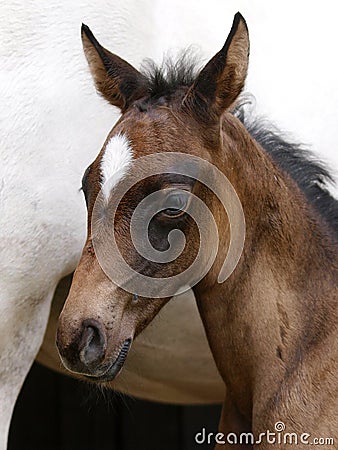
(115, 79)
(222, 79)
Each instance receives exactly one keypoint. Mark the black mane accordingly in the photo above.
(311, 175)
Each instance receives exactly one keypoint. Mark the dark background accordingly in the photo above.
(55, 412)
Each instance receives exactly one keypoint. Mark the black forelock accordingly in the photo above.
(172, 74)
(310, 174)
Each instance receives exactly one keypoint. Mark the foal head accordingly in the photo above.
(137, 177)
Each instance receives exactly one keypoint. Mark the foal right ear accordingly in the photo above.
(116, 80)
(222, 79)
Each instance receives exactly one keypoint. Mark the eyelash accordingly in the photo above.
(176, 212)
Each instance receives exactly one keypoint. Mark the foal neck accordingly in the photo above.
(277, 307)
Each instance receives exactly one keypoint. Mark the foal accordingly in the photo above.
(272, 324)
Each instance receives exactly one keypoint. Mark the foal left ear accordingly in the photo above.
(116, 80)
(222, 79)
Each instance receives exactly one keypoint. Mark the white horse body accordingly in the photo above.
(52, 126)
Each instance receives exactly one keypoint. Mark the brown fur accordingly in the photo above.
(272, 325)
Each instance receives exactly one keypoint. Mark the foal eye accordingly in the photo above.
(175, 204)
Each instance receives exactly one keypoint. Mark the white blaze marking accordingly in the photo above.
(115, 162)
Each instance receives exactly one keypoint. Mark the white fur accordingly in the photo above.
(115, 162)
(53, 124)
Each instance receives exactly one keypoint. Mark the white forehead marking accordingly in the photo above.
(115, 162)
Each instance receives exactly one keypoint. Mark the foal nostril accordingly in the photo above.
(92, 347)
